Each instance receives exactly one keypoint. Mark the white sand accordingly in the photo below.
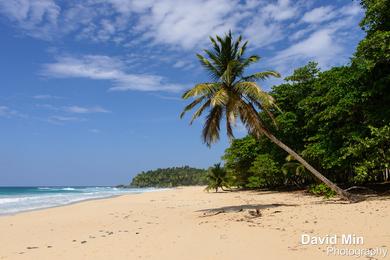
(176, 224)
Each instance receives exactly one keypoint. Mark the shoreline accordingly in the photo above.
(63, 205)
(188, 223)
(79, 201)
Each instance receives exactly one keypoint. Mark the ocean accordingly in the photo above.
(18, 199)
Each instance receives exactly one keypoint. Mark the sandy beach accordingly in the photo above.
(188, 223)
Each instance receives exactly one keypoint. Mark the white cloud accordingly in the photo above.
(85, 110)
(8, 112)
(324, 39)
(100, 67)
(262, 34)
(320, 46)
(182, 24)
(319, 14)
(46, 96)
(36, 18)
(60, 120)
(47, 106)
(94, 131)
(352, 9)
(326, 13)
(281, 10)
(186, 23)
(163, 29)
(267, 25)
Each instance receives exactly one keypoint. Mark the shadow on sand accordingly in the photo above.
(239, 208)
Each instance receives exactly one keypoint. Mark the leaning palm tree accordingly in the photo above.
(231, 95)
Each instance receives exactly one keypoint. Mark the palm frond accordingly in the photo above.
(230, 72)
(242, 50)
(192, 105)
(250, 118)
(201, 89)
(219, 98)
(211, 127)
(261, 75)
(252, 90)
(214, 73)
(231, 114)
(215, 45)
(250, 60)
(200, 110)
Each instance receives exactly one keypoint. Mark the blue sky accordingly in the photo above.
(89, 90)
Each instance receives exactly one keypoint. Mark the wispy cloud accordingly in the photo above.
(61, 120)
(100, 67)
(46, 96)
(178, 24)
(74, 109)
(324, 40)
(319, 15)
(160, 30)
(36, 18)
(320, 46)
(8, 112)
(281, 10)
(85, 110)
(94, 131)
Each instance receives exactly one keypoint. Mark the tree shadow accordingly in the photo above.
(238, 208)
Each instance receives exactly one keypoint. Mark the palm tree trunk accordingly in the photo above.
(342, 193)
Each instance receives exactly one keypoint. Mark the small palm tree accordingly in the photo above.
(295, 172)
(231, 95)
(217, 178)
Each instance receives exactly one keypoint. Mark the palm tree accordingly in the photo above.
(217, 178)
(231, 95)
(295, 171)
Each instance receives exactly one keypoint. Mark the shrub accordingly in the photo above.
(321, 190)
(265, 173)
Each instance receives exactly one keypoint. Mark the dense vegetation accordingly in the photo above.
(338, 120)
(170, 177)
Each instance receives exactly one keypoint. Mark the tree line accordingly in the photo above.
(170, 177)
(338, 119)
(333, 124)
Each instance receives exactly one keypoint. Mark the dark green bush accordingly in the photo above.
(321, 190)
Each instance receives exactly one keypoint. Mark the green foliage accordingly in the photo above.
(338, 120)
(217, 177)
(239, 158)
(377, 16)
(170, 177)
(372, 155)
(265, 173)
(321, 190)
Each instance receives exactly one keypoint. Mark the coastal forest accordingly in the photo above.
(335, 123)
(170, 177)
(337, 119)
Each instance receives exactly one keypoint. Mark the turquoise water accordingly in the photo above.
(17, 199)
